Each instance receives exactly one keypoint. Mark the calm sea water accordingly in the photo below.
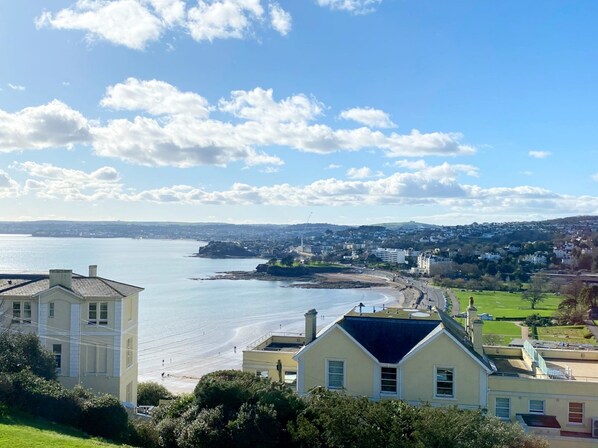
(186, 327)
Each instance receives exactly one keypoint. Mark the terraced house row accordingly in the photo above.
(427, 357)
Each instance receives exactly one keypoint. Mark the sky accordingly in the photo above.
(288, 111)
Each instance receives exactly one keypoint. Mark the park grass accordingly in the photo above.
(503, 331)
(573, 334)
(22, 431)
(502, 304)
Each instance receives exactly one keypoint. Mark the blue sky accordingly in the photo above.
(357, 111)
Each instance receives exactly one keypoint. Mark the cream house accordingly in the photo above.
(428, 358)
(89, 323)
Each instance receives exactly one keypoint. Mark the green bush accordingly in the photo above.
(143, 433)
(104, 416)
(535, 320)
(20, 351)
(44, 398)
(150, 393)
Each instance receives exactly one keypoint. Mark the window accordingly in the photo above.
(97, 358)
(129, 352)
(336, 374)
(445, 386)
(290, 378)
(576, 413)
(536, 407)
(98, 313)
(21, 312)
(389, 379)
(129, 393)
(57, 350)
(51, 309)
(503, 408)
(262, 374)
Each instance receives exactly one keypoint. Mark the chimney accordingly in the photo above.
(310, 325)
(62, 277)
(472, 315)
(93, 270)
(476, 336)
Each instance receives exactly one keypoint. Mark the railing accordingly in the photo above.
(271, 334)
(541, 363)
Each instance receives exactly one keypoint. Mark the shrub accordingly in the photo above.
(150, 393)
(143, 433)
(535, 320)
(20, 351)
(104, 416)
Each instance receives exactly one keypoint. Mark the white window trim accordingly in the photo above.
(51, 310)
(21, 320)
(445, 397)
(502, 407)
(326, 373)
(387, 393)
(529, 407)
(583, 413)
(98, 321)
(130, 352)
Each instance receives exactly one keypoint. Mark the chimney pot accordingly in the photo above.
(93, 270)
(62, 277)
(310, 325)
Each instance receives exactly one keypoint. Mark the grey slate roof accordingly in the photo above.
(83, 286)
(388, 340)
(458, 332)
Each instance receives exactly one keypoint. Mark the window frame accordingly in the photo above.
(19, 308)
(437, 381)
(502, 407)
(287, 381)
(580, 414)
(329, 386)
(100, 313)
(537, 411)
(395, 380)
(51, 310)
(130, 350)
(57, 357)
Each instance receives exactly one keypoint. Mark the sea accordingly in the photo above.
(188, 325)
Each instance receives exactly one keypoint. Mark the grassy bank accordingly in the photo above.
(22, 431)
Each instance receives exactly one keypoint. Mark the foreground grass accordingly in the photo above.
(21, 431)
(506, 304)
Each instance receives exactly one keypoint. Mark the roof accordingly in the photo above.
(388, 340)
(458, 332)
(540, 421)
(27, 286)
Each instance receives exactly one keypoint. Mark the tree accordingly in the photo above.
(287, 260)
(150, 393)
(21, 351)
(534, 294)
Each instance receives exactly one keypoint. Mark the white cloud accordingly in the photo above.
(9, 188)
(222, 19)
(122, 22)
(280, 19)
(49, 181)
(48, 126)
(359, 173)
(334, 166)
(352, 6)
(374, 118)
(539, 154)
(154, 97)
(17, 87)
(595, 177)
(136, 23)
(259, 105)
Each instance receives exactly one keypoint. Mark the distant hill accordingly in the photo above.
(408, 225)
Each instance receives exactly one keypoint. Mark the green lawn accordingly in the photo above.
(505, 304)
(571, 333)
(502, 330)
(20, 431)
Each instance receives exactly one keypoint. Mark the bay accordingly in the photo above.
(187, 327)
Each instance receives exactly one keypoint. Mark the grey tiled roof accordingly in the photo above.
(82, 286)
